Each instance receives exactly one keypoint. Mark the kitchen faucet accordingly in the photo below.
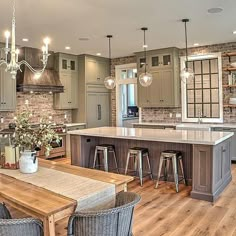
(199, 116)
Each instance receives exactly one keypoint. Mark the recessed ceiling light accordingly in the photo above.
(25, 40)
(215, 10)
(83, 39)
(196, 44)
(67, 47)
(98, 54)
(234, 32)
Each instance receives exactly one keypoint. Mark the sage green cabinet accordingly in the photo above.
(8, 91)
(67, 66)
(94, 98)
(66, 63)
(164, 91)
(96, 69)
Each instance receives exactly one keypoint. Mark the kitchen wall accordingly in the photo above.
(40, 105)
(163, 114)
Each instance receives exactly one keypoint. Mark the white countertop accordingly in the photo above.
(220, 125)
(74, 124)
(171, 136)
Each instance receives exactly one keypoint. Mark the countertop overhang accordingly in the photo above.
(169, 136)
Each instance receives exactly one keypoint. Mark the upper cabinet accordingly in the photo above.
(96, 69)
(67, 66)
(164, 91)
(66, 63)
(7, 91)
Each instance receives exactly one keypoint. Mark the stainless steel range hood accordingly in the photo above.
(49, 80)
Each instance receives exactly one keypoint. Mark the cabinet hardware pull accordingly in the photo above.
(99, 112)
(224, 150)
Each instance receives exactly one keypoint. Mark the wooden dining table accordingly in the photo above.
(47, 205)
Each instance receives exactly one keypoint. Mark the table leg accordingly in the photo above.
(49, 226)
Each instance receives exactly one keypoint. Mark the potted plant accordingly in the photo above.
(31, 140)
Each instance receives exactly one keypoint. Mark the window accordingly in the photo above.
(202, 96)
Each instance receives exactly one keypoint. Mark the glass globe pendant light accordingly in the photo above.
(187, 74)
(110, 81)
(145, 79)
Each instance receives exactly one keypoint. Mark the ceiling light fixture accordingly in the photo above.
(25, 40)
(145, 79)
(98, 54)
(234, 32)
(196, 44)
(110, 81)
(186, 73)
(215, 10)
(14, 65)
(67, 48)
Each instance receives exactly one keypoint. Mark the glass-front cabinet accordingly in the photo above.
(160, 61)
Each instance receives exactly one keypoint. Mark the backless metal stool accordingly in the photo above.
(138, 153)
(104, 149)
(176, 158)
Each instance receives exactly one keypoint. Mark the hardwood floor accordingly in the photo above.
(162, 211)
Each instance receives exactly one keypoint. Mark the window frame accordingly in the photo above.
(184, 89)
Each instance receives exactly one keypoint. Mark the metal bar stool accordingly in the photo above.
(105, 149)
(177, 160)
(138, 153)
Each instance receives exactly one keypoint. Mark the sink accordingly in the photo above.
(194, 126)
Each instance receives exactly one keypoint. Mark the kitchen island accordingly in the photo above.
(206, 154)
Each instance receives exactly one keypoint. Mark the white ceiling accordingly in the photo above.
(65, 21)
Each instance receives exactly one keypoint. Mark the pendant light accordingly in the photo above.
(110, 81)
(145, 79)
(187, 73)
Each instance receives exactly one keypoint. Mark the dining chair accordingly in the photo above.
(18, 227)
(116, 221)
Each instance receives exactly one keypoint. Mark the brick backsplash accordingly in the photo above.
(162, 114)
(40, 105)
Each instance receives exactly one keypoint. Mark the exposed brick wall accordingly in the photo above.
(40, 105)
(162, 114)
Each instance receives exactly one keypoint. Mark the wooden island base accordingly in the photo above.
(206, 167)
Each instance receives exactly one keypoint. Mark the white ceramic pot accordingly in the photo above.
(28, 162)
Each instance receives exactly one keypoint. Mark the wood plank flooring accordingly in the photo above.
(162, 211)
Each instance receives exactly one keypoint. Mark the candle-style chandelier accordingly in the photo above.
(14, 65)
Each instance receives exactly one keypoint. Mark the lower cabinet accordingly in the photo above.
(97, 109)
(7, 91)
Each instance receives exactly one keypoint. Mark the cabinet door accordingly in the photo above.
(160, 61)
(64, 97)
(68, 63)
(155, 89)
(104, 109)
(8, 91)
(91, 70)
(167, 92)
(142, 96)
(102, 70)
(74, 85)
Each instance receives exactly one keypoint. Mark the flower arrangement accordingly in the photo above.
(33, 138)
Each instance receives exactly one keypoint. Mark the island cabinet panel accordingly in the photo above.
(211, 170)
(83, 148)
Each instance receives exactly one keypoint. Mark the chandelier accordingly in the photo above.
(12, 64)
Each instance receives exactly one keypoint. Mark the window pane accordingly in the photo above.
(190, 64)
(197, 67)
(190, 96)
(215, 110)
(198, 81)
(206, 96)
(190, 110)
(215, 95)
(155, 61)
(198, 94)
(215, 81)
(123, 74)
(207, 110)
(205, 66)
(214, 66)
(206, 81)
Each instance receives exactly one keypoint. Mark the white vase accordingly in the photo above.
(28, 162)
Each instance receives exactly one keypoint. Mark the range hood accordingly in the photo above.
(49, 80)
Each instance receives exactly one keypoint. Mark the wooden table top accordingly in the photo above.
(42, 201)
(111, 178)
